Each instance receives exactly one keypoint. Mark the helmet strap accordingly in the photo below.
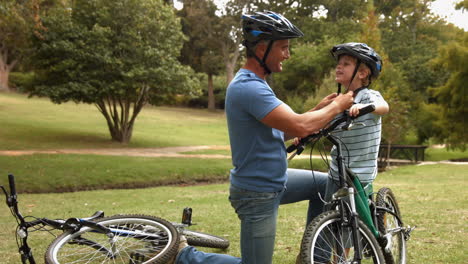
(263, 63)
(354, 73)
(251, 51)
(339, 88)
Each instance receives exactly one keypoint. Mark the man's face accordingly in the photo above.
(278, 53)
(344, 69)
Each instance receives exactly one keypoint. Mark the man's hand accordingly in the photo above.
(325, 101)
(344, 101)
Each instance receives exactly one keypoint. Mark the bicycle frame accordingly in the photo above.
(73, 224)
(350, 199)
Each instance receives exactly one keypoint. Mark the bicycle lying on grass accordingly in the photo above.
(115, 239)
(358, 228)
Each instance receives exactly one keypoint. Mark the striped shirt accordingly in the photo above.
(360, 145)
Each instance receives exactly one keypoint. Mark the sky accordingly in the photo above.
(446, 10)
(442, 8)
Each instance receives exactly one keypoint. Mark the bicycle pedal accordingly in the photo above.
(187, 216)
(407, 232)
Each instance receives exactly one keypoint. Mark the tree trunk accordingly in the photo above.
(211, 97)
(4, 76)
(116, 111)
(230, 58)
(5, 70)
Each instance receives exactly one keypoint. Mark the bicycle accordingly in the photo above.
(357, 228)
(122, 238)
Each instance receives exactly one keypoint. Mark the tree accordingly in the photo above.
(230, 34)
(116, 54)
(19, 20)
(451, 97)
(202, 49)
(14, 38)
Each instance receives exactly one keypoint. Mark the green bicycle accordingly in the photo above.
(361, 226)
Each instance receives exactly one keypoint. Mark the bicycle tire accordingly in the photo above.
(327, 229)
(137, 239)
(195, 238)
(385, 222)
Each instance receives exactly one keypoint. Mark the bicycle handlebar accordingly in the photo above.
(11, 181)
(345, 117)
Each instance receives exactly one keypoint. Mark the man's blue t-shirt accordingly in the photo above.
(258, 151)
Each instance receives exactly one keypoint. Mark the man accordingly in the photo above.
(258, 124)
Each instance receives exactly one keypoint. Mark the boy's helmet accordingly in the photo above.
(268, 26)
(363, 53)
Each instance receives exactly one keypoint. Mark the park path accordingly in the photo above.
(172, 152)
(178, 152)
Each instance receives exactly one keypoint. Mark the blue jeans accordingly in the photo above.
(258, 213)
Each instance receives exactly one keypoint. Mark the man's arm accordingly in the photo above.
(302, 125)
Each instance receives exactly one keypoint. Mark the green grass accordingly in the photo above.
(438, 154)
(57, 173)
(37, 123)
(433, 197)
(41, 173)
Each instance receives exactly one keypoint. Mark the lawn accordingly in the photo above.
(36, 123)
(432, 197)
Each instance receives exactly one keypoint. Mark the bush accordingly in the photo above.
(21, 81)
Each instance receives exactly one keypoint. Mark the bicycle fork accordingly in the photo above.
(355, 228)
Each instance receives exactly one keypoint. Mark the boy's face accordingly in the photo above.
(344, 69)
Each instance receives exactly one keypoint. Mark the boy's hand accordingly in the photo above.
(296, 140)
(354, 110)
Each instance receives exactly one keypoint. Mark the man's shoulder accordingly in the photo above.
(247, 82)
(244, 76)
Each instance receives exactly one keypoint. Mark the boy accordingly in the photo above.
(358, 65)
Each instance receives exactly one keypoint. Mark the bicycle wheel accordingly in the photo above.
(136, 239)
(327, 240)
(200, 239)
(389, 224)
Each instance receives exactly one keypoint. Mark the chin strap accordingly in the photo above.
(352, 78)
(262, 62)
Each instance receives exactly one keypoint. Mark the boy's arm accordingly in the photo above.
(381, 108)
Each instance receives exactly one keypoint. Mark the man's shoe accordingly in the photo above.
(182, 244)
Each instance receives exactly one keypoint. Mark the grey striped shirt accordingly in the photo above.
(360, 147)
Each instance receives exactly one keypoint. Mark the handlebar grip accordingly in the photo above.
(365, 110)
(291, 148)
(11, 180)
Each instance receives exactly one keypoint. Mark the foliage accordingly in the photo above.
(21, 81)
(201, 50)
(114, 55)
(304, 71)
(451, 97)
(14, 29)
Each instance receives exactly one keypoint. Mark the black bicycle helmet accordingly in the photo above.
(268, 26)
(363, 53)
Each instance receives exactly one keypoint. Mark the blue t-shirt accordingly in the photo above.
(258, 151)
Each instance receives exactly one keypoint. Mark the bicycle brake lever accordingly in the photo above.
(354, 124)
